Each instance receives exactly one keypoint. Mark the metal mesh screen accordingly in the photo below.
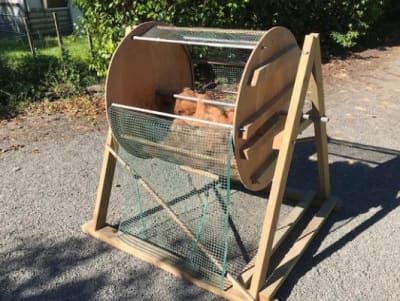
(223, 66)
(184, 205)
(218, 55)
(227, 36)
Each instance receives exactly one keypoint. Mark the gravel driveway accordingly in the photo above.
(47, 191)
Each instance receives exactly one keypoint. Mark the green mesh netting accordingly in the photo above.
(189, 168)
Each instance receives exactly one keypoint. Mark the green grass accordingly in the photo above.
(77, 47)
(50, 75)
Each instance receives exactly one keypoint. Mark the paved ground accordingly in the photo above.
(48, 188)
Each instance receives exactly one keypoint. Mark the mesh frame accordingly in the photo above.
(201, 195)
(201, 200)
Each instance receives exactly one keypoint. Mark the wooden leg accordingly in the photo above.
(321, 139)
(105, 185)
(282, 166)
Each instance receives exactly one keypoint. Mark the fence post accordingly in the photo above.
(59, 38)
(28, 34)
(90, 42)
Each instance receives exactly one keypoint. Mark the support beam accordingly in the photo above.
(321, 138)
(105, 185)
(282, 271)
(283, 164)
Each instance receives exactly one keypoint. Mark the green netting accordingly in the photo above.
(187, 167)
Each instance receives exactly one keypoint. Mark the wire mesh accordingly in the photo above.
(187, 168)
(184, 206)
(221, 63)
(249, 37)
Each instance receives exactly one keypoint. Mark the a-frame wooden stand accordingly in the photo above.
(254, 283)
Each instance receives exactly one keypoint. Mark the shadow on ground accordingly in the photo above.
(363, 177)
(27, 269)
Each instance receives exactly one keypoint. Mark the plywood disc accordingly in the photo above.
(264, 92)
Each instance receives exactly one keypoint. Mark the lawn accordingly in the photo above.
(77, 47)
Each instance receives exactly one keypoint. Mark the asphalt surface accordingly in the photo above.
(47, 191)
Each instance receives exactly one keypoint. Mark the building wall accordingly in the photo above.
(33, 4)
(75, 14)
(41, 20)
(11, 19)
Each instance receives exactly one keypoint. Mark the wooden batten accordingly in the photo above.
(264, 138)
(287, 57)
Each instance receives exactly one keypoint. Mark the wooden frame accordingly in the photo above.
(253, 283)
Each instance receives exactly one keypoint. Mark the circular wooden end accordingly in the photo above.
(264, 94)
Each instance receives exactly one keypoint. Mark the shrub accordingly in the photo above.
(28, 79)
(341, 22)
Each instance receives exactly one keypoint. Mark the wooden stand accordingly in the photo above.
(253, 283)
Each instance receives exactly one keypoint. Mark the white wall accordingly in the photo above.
(75, 14)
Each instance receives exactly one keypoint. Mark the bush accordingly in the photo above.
(340, 22)
(28, 79)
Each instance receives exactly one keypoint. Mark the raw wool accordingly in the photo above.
(200, 136)
(201, 110)
(184, 107)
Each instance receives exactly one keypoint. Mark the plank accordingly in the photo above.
(257, 119)
(264, 137)
(288, 56)
(283, 269)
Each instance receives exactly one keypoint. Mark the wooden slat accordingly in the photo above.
(266, 170)
(282, 271)
(278, 138)
(282, 231)
(263, 138)
(287, 57)
(255, 121)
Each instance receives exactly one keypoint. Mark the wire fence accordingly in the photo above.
(32, 31)
(12, 27)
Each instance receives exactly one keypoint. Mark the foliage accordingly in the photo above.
(25, 79)
(341, 22)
